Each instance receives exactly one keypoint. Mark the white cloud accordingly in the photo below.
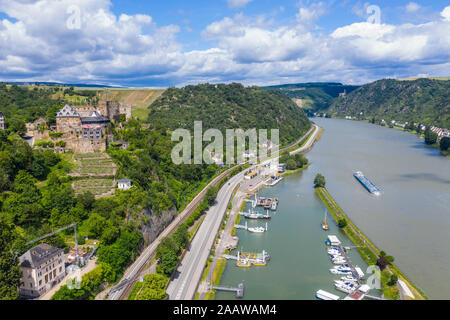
(412, 7)
(446, 13)
(36, 45)
(238, 3)
(103, 45)
(308, 15)
(253, 41)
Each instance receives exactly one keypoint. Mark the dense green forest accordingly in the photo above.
(230, 106)
(315, 96)
(24, 104)
(424, 101)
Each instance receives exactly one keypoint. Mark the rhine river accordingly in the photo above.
(410, 220)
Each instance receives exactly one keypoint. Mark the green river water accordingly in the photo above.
(410, 220)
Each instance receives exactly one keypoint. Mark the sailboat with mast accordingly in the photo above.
(324, 222)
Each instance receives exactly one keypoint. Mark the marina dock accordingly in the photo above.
(246, 260)
(239, 290)
(353, 285)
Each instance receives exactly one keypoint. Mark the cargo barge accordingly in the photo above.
(366, 183)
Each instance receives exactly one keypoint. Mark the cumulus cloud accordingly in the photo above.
(60, 40)
(446, 13)
(308, 15)
(251, 41)
(36, 44)
(237, 3)
(412, 7)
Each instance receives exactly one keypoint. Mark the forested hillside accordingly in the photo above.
(229, 106)
(425, 101)
(315, 96)
(22, 104)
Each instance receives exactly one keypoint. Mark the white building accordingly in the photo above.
(124, 184)
(42, 268)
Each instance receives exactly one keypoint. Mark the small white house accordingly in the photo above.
(124, 184)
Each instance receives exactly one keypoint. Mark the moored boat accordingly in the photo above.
(324, 295)
(324, 223)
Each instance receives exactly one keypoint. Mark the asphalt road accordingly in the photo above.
(134, 271)
(189, 272)
(207, 230)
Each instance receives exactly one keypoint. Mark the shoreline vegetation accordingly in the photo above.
(368, 251)
(445, 153)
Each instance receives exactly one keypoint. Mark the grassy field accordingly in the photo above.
(368, 251)
(139, 99)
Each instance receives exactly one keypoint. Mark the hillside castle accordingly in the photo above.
(84, 127)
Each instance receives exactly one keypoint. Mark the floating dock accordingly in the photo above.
(366, 183)
(273, 182)
(246, 260)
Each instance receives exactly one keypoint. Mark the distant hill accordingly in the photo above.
(425, 101)
(315, 96)
(230, 106)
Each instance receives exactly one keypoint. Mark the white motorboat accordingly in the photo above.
(258, 229)
(337, 271)
(345, 287)
(349, 278)
(324, 295)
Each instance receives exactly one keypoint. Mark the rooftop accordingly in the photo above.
(67, 111)
(38, 255)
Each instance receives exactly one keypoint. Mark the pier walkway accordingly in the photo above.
(229, 257)
(239, 290)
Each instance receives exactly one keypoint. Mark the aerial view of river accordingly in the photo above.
(410, 220)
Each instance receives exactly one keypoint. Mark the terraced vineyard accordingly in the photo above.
(94, 172)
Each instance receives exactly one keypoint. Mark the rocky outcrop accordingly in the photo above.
(152, 224)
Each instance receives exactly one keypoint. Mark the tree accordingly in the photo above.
(384, 260)
(95, 225)
(382, 263)
(430, 136)
(210, 195)
(445, 143)
(342, 223)
(87, 199)
(167, 263)
(110, 233)
(319, 181)
(153, 287)
(393, 280)
(10, 272)
(291, 164)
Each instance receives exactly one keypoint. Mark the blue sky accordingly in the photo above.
(174, 42)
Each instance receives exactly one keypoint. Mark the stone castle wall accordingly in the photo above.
(67, 124)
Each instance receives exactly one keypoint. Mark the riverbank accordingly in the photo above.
(216, 265)
(368, 251)
(436, 145)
